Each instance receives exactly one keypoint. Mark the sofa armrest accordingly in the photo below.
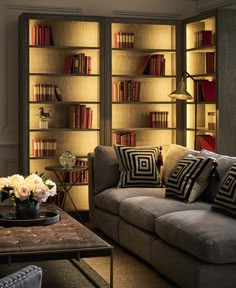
(28, 277)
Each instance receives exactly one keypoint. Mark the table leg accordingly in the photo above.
(66, 189)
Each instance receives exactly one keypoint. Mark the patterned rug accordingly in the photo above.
(129, 272)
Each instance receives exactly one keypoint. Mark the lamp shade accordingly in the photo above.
(181, 93)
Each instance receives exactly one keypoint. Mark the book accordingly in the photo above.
(205, 142)
(209, 90)
(57, 93)
(143, 65)
(211, 120)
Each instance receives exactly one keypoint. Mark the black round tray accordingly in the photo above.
(46, 218)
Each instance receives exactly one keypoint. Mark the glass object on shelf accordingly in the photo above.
(67, 159)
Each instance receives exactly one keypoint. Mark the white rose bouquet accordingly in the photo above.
(35, 187)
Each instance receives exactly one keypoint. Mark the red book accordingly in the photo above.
(142, 67)
(209, 90)
(68, 67)
(89, 115)
(206, 142)
(33, 35)
(83, 117)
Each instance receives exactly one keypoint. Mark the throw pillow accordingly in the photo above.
(138, 166)
(224, 163)
(174, 154)
(225, 200)
(189, 178)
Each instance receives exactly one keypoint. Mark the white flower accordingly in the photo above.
(41, 192)
(15, 180)
(53, 190)
(21, 192)
(33, 187)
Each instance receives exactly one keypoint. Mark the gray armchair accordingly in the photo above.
(28, 277)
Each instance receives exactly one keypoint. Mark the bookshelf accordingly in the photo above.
(201, 113)
(143, 73)
(60, 70)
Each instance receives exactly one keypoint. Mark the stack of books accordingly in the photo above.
(126, 90)
(124, 138)
(42, 147)
(124, 40)
(80, 116)
(159, 119)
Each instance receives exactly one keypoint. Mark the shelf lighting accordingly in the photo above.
(181, 93)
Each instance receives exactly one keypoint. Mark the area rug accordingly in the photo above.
(129, 272)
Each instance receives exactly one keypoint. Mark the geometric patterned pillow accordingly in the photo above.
(138, 166)
(225, 200)
(188, 180)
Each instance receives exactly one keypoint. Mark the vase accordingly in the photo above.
(27, 209)
(43, 124)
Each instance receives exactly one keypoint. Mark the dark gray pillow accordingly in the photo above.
(224, 163)
(225, 200)
(106, 168)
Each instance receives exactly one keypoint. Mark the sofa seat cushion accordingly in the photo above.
(109, 200)
(207, 235)
(143, 210)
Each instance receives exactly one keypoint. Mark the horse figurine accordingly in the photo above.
(43, 115)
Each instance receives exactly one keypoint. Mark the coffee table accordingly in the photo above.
(66, 239)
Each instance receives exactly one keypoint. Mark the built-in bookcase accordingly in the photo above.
(201, 65)
(143, 72)
(60, 70)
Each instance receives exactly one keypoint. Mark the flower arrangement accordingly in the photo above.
(33, 188)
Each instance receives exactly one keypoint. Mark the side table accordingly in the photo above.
(60, 173)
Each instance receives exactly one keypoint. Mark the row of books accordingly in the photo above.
(80, 116)
(124, 40)
(42, 147)
(76, 176)
(152, 65)
(205, 90)
(210, 62)
(78, 64)
(159, 119)
(41, 35)
(126, 90)
(124, 138)
(203, 38)
(211, 120)
(46, 92)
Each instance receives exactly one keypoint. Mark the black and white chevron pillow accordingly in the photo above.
(188, 180)
(138, 166)
(225, 199)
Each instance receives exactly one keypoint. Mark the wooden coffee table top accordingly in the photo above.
(64, 239)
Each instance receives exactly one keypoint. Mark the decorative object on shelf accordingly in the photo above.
(67, 159)
(43, 118)
(27, 193)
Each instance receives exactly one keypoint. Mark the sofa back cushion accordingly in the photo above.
(106, 168)
(174, 154)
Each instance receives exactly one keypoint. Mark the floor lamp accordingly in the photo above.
(182, 94)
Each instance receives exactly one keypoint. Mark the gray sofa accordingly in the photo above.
(27, 277)
(189, 243)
